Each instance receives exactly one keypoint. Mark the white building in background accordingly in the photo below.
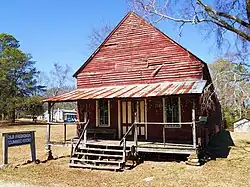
(62, 115)
(243, 125)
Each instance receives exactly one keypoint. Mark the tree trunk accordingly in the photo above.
(13, 115)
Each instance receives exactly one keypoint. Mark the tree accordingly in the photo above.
(232, 86)
(218, 18)
(58, 82)
(33, 106)
(59, 79)
(18, 78)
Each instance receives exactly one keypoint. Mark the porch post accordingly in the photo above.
(48, 146)
(119, 119)
(164, 121)
(135, 132)
(193, 127)
(146, 119)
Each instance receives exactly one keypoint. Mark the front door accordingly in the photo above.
(130, 111)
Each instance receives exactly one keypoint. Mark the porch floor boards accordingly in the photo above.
(151, 147)
(143, 146)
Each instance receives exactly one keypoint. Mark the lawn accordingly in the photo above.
(231, 171)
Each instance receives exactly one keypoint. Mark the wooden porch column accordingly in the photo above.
(164, 121)
(48, 147)
(119, 119)
(136, 130)
(193, 127)
(146, 119)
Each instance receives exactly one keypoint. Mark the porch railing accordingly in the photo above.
(165, 126)
(82, 136)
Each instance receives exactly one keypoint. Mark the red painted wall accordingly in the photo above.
(155, 114)
(90, 107)
(133, 53)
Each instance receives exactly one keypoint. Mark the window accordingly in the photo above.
(172, 112)
(103, 113)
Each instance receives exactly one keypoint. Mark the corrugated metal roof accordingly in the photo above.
(133, 91)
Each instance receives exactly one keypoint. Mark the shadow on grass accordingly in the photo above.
(220, 145)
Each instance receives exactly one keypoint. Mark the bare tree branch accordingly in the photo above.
(203, 13)
(220, 22)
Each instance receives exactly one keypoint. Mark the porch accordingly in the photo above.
(114, 154)
(130, 120)
(144, 146)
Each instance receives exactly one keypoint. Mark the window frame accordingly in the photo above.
(98, 115)
(164, 100)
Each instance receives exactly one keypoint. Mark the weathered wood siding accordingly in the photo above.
(137, 52)
(155, 114)
(114, 114)
(90, 107)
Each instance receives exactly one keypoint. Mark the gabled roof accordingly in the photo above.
(118, 26)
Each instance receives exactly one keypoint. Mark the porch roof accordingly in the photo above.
(132, 91)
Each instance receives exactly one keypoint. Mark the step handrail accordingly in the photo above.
(126, 134)
(124, 140)
(81, 136)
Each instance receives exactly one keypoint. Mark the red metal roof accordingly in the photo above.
(132, 91)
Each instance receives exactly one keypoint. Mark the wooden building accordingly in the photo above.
(242, 125)
(141, 84)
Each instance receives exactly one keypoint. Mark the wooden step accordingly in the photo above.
(105, 150)
(105, 145)
(95, 167)
(99, 161)
(96, 154)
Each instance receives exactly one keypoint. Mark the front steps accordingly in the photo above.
(104, 157)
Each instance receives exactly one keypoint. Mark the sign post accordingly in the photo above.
(11, 139)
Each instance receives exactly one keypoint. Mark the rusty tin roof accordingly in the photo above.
(132, 91)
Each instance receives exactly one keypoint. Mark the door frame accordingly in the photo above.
(120, 126)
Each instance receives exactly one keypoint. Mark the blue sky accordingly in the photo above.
(59, 30)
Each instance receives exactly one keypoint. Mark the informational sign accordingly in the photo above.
(11, 139)
(19, 138)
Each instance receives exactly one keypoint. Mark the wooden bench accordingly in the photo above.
(102, 130)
